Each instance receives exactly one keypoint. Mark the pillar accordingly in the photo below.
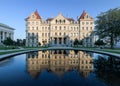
(3, 36)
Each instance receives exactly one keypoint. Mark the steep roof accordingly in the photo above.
(6, 26)
(82, 15)
(36, 14)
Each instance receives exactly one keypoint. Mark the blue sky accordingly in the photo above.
(13, 12)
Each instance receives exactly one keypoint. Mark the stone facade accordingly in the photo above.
(59, 31)
(6, 31)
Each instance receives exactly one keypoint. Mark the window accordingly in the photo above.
(86, 28)
(45, 34)
(55, 33)
(32, 34)
(42, 34)
(28, 34)
(37, 28)
(82, 28)
(87, 16)
(60, 27)
(60, 34)
(87, 23)
(55, 27)
(74, 34)
(64, 34)
(64, 21)
(56, 21)
(91, 22)
(64, 27)
(32, 28)
(71, 28)
(91, 28)
(82, 23)
(42, 28)
(60, 21)
(45, 28)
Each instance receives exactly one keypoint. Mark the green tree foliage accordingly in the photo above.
(99, 42)
(8, 41)
(108, 25)
(76, 42)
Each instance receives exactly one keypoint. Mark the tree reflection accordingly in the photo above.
(108, 70)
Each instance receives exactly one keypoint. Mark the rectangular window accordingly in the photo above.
(42, 34)
(82, 28)
(82, 23)
(86, 28)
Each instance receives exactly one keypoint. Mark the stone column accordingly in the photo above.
(3, 35)
(7, 34)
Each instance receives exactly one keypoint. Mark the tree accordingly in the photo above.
(39, 44)
(76, 42)
(8, 41)
(108, 25)
(99, 42)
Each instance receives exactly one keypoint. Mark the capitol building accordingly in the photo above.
(59, 31)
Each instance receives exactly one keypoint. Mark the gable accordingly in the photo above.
(60, 19)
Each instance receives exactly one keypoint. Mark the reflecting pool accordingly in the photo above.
(60, 68)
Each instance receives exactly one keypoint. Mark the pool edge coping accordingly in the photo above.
(2, 57)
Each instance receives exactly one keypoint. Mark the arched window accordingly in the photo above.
(60, 21)
(56, 21)
(64, 21)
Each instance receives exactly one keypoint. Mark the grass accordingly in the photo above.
(8, 47)
(117, 51)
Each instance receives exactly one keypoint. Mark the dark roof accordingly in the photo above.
(6, 26)
(49, 19)
(70, 19)
(83, 15)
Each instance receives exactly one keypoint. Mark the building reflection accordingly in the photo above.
(59, 62)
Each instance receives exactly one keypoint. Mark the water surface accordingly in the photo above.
(60, 68)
